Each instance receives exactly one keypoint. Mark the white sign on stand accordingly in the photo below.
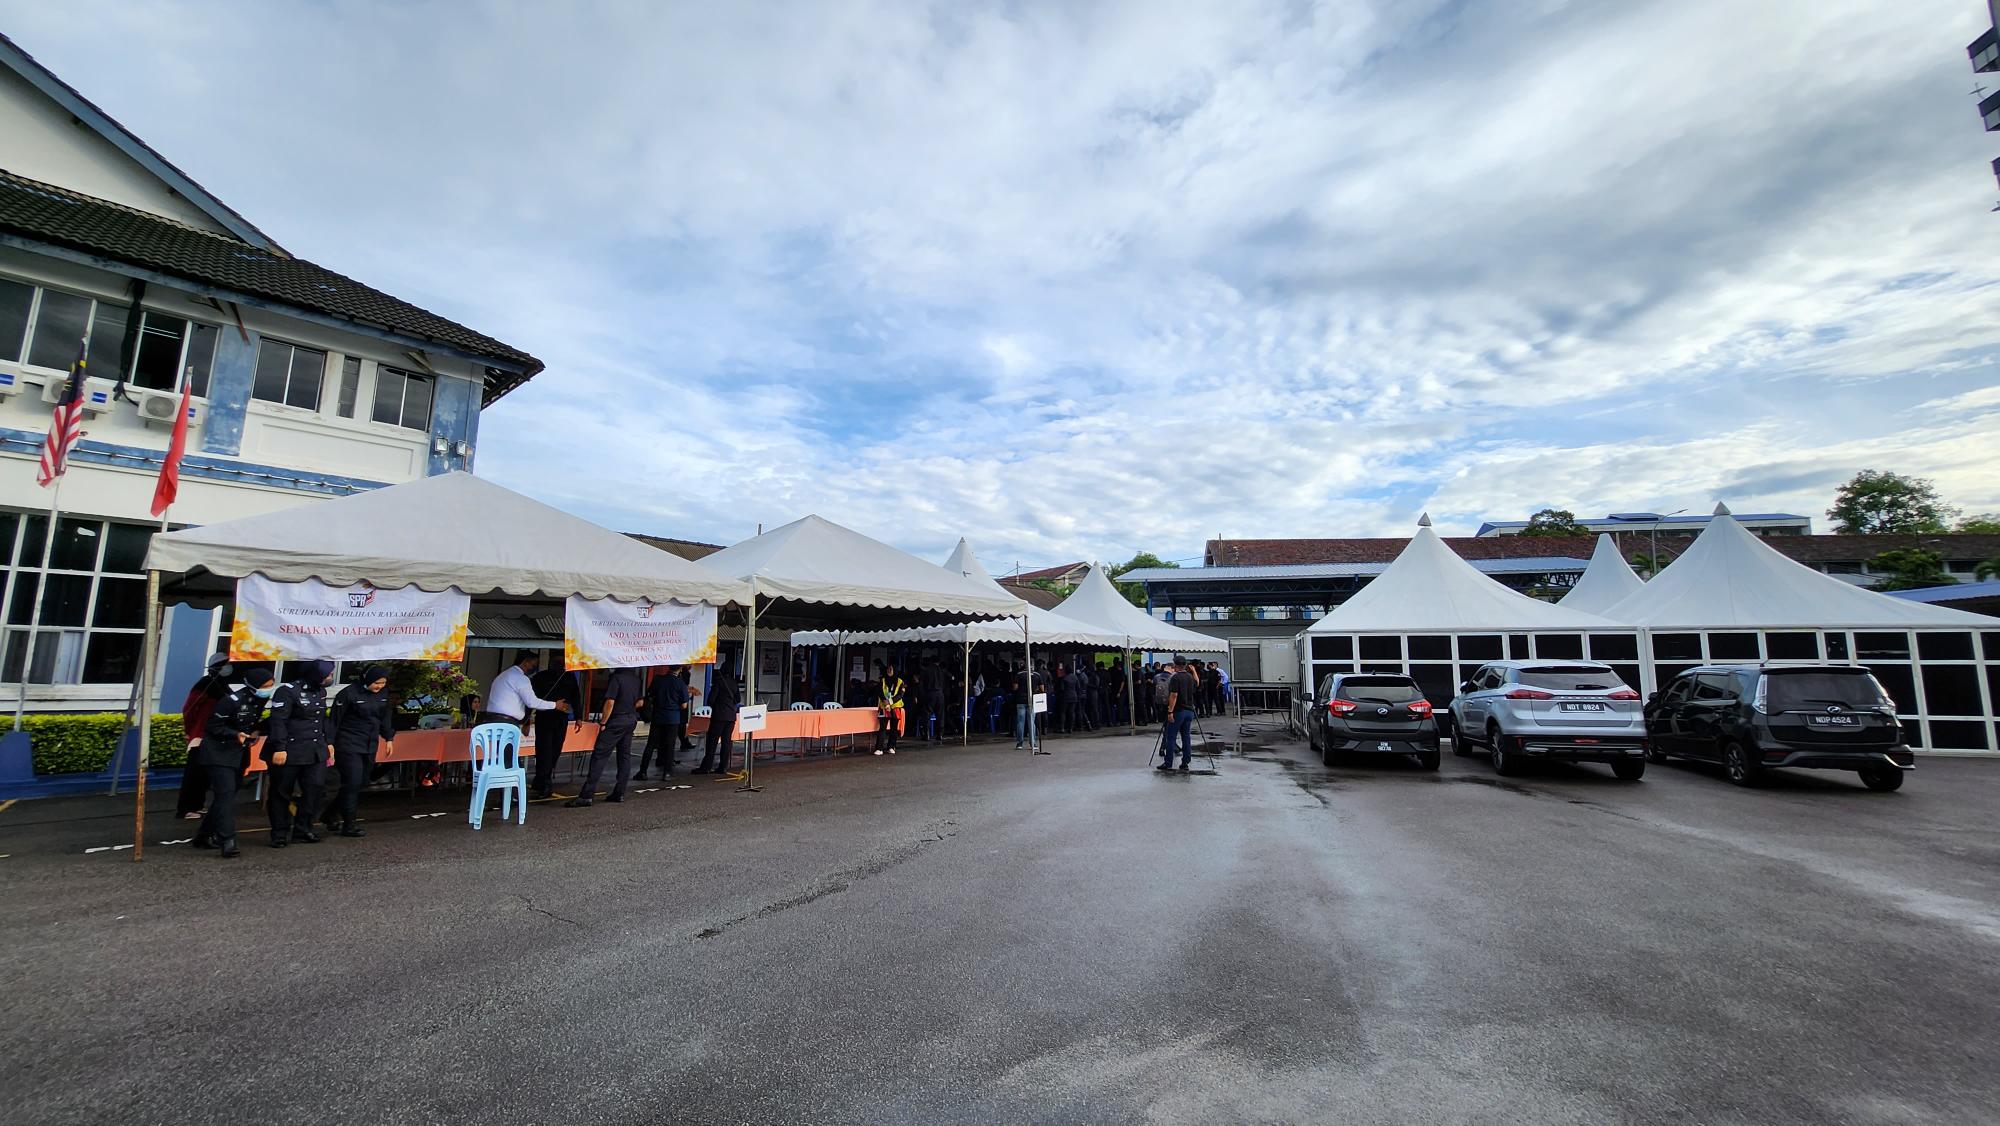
(750, 720)
(1041, 703)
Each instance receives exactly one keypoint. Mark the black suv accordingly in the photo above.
(1751, 718)
(1370, 713)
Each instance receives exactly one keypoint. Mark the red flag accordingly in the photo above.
(170, 469)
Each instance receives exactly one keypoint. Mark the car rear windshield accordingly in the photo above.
(1379, 689)
(1791, 691)
(1570, 678)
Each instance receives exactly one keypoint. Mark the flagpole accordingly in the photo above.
(41, 595)
(134, 702)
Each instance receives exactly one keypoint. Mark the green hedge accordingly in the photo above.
(74, 744)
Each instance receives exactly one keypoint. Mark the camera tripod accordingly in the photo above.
(1201, 746)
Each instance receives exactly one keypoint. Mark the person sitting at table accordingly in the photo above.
(666, 712)
(622, 691)
(225, 753)
(722, 704)
(468, 709)
(298, 745)
(363, 719)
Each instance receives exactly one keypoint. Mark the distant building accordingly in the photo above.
(305, 383)
(1985, 55)
(1063, 574)
(1761, 523)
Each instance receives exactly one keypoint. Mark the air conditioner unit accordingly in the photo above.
(96, 393)
(157, 408)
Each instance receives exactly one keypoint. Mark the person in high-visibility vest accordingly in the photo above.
(889, 710)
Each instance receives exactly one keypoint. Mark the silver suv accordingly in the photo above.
(1569, 711)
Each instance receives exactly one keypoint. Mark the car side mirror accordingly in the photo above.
(1466, 687)
(1652, 697)
(1305, 697)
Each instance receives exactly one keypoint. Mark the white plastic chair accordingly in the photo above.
(703, 710)
(434, 723)
(830, 706)
(496, 765)
(802, 707)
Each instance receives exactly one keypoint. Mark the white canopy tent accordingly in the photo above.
(1097, 604)
(1435, 618)
(452, 530)
(1733, 598)
(1044, 626)
(1606, 580)
(813, 572)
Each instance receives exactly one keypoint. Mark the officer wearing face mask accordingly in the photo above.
(225, 753)
(362, 721)
(297, 749)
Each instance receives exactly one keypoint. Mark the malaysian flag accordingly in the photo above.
(67, 425)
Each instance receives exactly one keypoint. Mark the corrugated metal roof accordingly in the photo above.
(1954, 593)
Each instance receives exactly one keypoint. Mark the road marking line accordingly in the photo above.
(183, 840)
(8, 804)
(106, 848)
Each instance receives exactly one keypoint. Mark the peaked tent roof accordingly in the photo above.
(1728, 578)
(813, 560)
(1096, 603)
(1429, 589)
(436, 532)
(1608, 579)
(1044, 626)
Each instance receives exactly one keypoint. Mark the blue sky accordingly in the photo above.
(1076, 280)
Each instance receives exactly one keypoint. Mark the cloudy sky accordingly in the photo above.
(1077, 280)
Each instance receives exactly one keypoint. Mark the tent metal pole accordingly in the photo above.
(148, 655)
(1131, 700)
(1028, 649)
(750, 690)
(965, 701)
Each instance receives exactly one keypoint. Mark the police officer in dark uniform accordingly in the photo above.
(666, 704)
(722, 705)
(297, 746)
(225, 753)
(362, 720)
(620, 718)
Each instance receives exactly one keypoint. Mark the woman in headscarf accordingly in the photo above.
(225, 753)
(201, 700)
(297, 747)
(363, 719)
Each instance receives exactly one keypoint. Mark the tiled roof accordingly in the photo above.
(1524, 566)
(1033, 595)
(687, 549)
(1804, 549)
(1055, 572)
(58, 217)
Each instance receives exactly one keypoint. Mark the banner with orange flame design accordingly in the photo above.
(604, 633)
(299, 621)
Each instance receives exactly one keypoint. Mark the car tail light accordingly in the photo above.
(1342, 707)
(1530, 694)
(1624, 694)
(1420, 707)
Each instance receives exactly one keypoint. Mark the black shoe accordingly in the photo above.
(307, 837)
(202, 842)
(278, 842)
(1183, 768)
(615, 797)
(541, 795)
(579, 803)
(1164, 766)
(701, 770)
(350, 829)
(229, 849)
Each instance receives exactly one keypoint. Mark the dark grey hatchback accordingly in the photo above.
(1752, 718)
(1371, 714)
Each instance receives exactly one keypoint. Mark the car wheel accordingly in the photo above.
(1629, 771)
(1429, 760)
(1737, 765)
(1882, 781)
(1503, 762)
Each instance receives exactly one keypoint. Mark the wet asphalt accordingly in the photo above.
(983, 936)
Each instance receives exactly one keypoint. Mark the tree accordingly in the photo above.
(428, 686)
(1909, 568)
(1053, 587)
(1988, 569)
(1980, 524)
(1876, 503)
(1650, 565)
(1554, 522)
(1135, 593)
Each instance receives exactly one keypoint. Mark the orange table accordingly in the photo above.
(819, 723)
(448, 745)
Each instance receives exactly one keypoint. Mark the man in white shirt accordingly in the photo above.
(512, 697)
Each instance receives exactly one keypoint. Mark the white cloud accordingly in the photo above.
(1080, 280)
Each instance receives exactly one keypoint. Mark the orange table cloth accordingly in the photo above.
(448, 745)
(819, 723)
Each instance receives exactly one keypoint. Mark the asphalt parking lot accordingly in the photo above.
(979, 935)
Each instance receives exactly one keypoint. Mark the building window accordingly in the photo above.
(402, 398)
(170, 347)
(350, 385)
(290, 374)
(16, 302)
(94, 612)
